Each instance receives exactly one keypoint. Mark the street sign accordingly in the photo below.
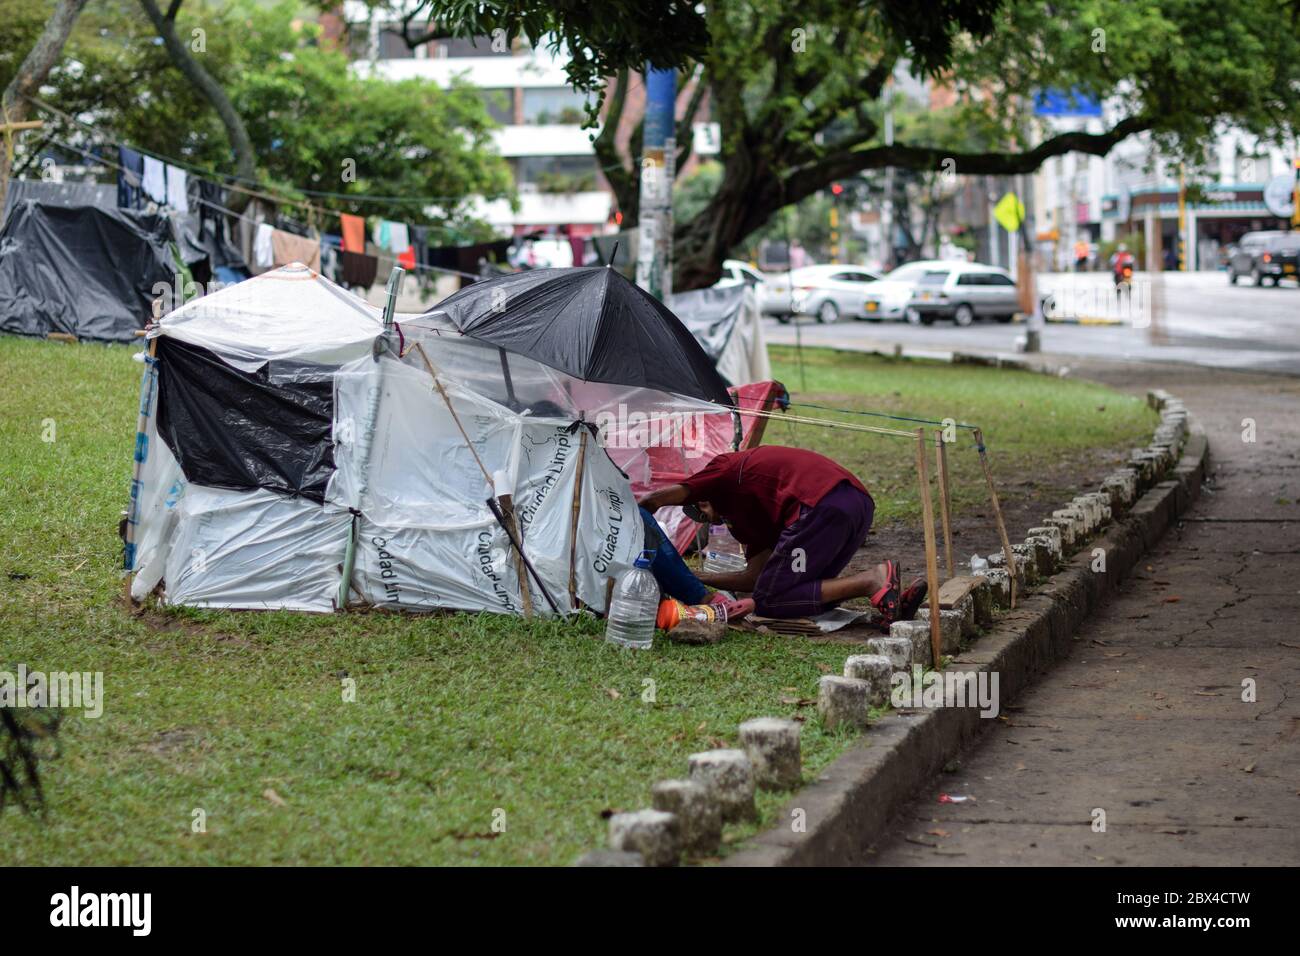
(1009, 212)
(706, 139)
(1279, 195)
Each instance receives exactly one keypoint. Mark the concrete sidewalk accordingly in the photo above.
(1145, 720)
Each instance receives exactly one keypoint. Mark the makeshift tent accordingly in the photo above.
(276, 438)
(88, 271)
(728, 325)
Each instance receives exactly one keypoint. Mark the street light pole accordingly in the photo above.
(654, 265)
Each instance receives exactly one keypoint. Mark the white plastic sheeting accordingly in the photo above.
(258, 549)
(291, 313)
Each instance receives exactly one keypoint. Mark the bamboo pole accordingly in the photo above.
(945, 499)
(931, 557)
(521, 570)
(997, 514)
(577, 507)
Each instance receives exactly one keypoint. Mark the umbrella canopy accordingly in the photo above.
(590, 323)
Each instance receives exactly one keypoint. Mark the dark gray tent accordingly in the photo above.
(85, 270)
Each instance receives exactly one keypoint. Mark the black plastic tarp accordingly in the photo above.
(84, 270)
(246, 430)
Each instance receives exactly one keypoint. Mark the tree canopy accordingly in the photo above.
(318, 128)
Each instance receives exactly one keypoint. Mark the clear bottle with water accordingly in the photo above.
(632, 610)
(723, 554)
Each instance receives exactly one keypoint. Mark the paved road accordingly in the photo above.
(1207, 322)
(1145, 720)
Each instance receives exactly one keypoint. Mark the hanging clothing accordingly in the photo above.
(358, 270)
(420, 239)
(129, 194)
(154, 180)
(399, 237)
(178, 189)
(407, 259)
(354, 233)
(287, 248)
(263, 254)
(382, 234)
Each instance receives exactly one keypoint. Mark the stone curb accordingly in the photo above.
(850, 805)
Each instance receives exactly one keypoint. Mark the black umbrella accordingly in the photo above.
(592, 324)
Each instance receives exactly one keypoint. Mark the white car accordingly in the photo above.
(963, 293)
(888, 298)
(825, 292)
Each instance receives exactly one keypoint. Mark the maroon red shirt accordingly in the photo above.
(760, 491)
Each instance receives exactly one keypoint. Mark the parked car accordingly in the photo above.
(824, 291)
(1279, 260)
(888, 298)
(963, 293)
(735, 272)
(1246, 256)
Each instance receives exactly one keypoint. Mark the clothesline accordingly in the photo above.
(227, 211)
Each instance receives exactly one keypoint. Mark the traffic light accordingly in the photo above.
(836, 189)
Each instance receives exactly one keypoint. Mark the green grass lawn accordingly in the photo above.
(241, 715)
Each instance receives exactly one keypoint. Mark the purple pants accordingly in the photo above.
(817, 546)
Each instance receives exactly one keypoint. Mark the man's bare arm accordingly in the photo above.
(738, 580)
(671, 495)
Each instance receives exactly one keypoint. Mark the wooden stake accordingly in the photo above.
(931, 557)
(577, 507)
(508, 510)
(945, 506)
(997, 514)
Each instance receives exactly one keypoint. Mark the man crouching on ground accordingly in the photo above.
(800, 517)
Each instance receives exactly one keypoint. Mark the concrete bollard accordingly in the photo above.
(876, 670)
(1115, 488)
(729, 777)
(1066, 528)
(897, 649)
(1078, 526)
(843, 702)
(1041, 547)
(1103, 505)
(610, 858)
(652, 833)
(999, 586)
(772, 744)
(982, 602)
(916, 633)
(1053, 536)
(1026, 564)
(1091, 514)
(950, 622)
(699, 815)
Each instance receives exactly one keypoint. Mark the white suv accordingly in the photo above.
(963, 293)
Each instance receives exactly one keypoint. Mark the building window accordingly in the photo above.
(556, 174)
(500, 104)
(554, 105)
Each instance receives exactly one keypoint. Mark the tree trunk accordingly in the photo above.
(202, 80)
(31, 74)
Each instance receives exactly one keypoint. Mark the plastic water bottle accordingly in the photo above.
(632, 610)
(723, 554)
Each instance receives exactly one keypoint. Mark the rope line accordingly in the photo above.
(897, 418)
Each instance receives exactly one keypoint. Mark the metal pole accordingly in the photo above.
(931, 556)
(654, 266)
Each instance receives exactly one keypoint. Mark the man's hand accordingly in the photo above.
(672, 495)
(739, 580)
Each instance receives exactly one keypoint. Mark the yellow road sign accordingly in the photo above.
(1009, 212)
